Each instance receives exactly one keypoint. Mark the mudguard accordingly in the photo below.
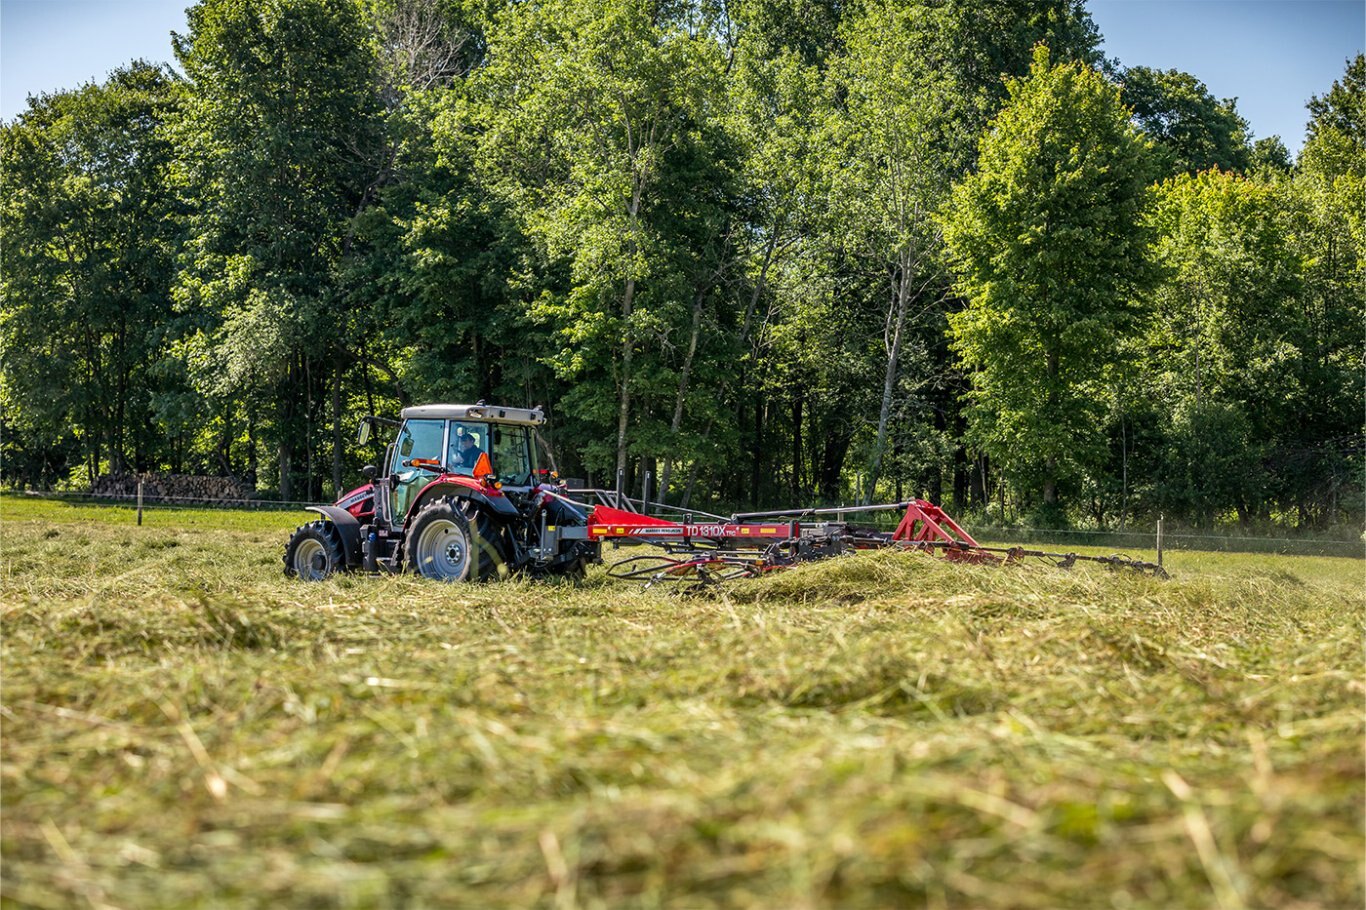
(466, 489)
(349, 528)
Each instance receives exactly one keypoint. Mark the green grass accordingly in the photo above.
(184, 727)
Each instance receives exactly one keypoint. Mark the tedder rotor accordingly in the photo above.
(460, 496)
(750, 544)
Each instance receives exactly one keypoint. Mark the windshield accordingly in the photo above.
(467, 442)
(417, 439)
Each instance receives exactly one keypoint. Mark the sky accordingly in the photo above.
(46, 45)
(1271, 55)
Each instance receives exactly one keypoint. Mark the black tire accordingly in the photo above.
(451, 540)
(314, 552)
(573, 572)
(488, 543)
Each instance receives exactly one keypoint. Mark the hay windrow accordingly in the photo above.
(182, 726)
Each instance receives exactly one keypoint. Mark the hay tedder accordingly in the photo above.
(462, 496)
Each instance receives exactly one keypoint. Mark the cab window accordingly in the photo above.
(417, 439)
(513, 458)
(467, 442)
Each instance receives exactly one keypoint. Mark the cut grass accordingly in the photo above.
(185, 727)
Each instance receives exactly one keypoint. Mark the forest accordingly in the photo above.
(772, 252)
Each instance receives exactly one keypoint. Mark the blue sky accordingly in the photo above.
(1269, 54)
(59, 44)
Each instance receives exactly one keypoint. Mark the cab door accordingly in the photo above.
(418, 439)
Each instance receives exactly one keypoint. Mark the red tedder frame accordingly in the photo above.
(926, 524)
(606, 522)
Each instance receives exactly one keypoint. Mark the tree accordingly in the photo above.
(584, 112)
(1231, 273)
(1048, 244)
(1330, 236)
(1343, 107)
(901, 136)
(1192, 130)
(90, 228)
(279, 138)
(1269, 154)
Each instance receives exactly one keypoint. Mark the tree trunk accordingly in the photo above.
(832, 463)
(336, 432)
(624, 394)
(286, 447)
(251, 449)
(893, 345)
(757, 464)
(286, 455)
(1050, 481)
(677, 423)
(693, 471)
(759, 285)
(627, 303)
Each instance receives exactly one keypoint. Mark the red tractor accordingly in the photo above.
(460, 497)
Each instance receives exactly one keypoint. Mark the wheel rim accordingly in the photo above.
(310, 560)
(442, 550)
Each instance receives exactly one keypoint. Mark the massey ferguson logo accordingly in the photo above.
(354, 498)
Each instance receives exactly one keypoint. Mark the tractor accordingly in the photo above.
(459, 497)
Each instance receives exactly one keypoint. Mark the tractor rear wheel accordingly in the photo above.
(439, 545)
(452, 540)
(314, 551)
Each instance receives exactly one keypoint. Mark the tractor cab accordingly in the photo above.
(492, 446)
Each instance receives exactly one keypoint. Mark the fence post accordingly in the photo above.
(139, 502)
(1159, 540)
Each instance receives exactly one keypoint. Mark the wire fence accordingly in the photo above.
(1119, 540)
(1130, 540)
(171, 502)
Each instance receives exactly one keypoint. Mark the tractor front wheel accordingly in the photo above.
(314, 551)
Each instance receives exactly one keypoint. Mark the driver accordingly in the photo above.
(468, 455)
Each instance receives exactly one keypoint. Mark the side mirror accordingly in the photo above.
(363, 433)
(369, 471)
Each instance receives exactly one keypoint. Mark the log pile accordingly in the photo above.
(171, 487)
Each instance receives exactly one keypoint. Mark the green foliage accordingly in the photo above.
(90, 228)
(1337, 124)
(700, 235)
(278, 141)
(1225, 347)
(1048, 244)
(1269, 154)
(1191, 129)
(593, 125)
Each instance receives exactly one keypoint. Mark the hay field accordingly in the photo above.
(183, 727)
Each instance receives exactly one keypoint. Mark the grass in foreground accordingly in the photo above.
(182, 726)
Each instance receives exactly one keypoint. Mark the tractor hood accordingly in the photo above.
(360, 502)
(493, 413)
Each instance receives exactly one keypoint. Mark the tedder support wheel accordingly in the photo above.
(451, 541)
(314, 551)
